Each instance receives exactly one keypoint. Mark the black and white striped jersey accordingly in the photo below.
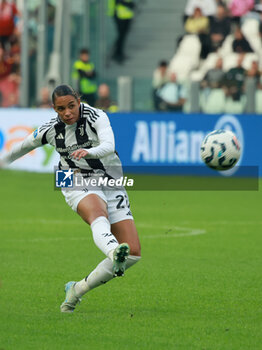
(92, 132)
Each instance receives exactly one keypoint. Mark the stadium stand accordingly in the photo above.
(245, 39)
(187, 57)
(258, 101)
(250, 29)
(155, 31)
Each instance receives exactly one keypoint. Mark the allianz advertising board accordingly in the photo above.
(173, 140)
(154, 140)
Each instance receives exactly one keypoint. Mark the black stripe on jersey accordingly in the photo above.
(95, 164)
(45, 126)
(70, 163)
(86, 108)
(94, 112)
(91, 127)
(81, 109)
(81, 134)
(44, 140)
(60, 135)
(60, 142)
(86, 113)
(93, 115)
(48, 124)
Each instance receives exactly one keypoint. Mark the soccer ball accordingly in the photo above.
(220, 150)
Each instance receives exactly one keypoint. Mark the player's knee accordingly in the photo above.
(96, 214)
(91, 207)
(90, 216)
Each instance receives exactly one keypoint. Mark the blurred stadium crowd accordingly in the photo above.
(221, 49)
(9, 54)
(220, 52)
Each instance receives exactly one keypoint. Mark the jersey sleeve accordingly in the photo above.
(40, 136)
(105, 136)
(36, 139)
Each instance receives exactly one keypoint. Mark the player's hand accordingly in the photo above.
(80, 153)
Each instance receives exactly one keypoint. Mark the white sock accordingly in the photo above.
(103, 237)
(100, 275)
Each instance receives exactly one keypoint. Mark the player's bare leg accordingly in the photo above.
(91, 207)
(125, 231)
(93, 210)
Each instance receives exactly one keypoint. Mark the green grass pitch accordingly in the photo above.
(198, 285)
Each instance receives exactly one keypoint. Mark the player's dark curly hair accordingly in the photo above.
(63, 90)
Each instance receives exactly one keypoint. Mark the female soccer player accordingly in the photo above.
(83, 137)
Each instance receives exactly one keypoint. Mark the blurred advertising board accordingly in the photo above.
(153, 140)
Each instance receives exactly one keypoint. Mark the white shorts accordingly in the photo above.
(117, 201)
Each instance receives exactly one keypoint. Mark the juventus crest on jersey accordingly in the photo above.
(92, 132)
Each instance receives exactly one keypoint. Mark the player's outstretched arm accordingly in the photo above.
(19, 150)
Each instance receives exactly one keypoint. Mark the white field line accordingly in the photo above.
(42, 221)
(207, 223)
(175, 232)
(180, 232)
(191, 232)
(52, 239)
(170, 231)
(57, 239)
(138, 224)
